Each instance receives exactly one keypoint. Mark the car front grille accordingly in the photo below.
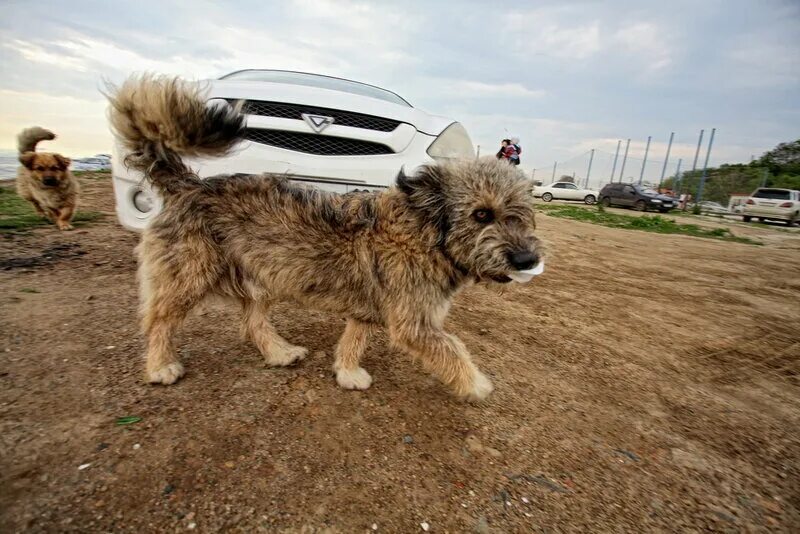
(323, 145)
(340, 117)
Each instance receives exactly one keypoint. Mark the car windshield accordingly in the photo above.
(648, 191)
(317, 80)
(774, 194)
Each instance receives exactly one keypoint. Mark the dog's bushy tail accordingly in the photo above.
(160, 119)
(30, 137)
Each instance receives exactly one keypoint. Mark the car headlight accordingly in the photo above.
(453, 143)
(142, 201)
(655, 201)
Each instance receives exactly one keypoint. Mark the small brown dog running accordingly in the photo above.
(393, 259)
(44, 179)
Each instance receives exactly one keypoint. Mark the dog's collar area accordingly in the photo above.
(453, 262)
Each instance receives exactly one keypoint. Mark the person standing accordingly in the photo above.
(508, 152)
(501, 154)
(518, 148)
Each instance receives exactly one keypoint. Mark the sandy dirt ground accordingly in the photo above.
(643, 383)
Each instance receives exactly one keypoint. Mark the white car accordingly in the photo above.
(565, 191)
(336, 134)
(773, 204)
(714, 208)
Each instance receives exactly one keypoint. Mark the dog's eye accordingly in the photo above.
(483, 216)
(39, 168)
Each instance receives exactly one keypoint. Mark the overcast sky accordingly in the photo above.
(564, 76)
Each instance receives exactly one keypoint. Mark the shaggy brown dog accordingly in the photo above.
(44, 179)
(393, 259)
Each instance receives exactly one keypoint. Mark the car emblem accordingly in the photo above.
(317, 122)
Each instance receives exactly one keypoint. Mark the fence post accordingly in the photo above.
(697, 152)
(624, 160)
(705, 168)
(664, 168)
(644, 161)
(589, 170)
(554, 170)
(614, 168)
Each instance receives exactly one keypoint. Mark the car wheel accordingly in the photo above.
(663, 210)
(793, 220)
(547, 197)
(761, 219)
(746, 218)
(605, 202)
(641, 205)
(590, 199)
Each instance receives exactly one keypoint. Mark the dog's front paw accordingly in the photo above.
(167, 374)
(357, 378)
(286, 356)
(64, 226)
(481, 387)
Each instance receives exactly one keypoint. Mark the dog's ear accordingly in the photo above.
(63, 161)
(423, 188)
(27, 158)
(425, 192)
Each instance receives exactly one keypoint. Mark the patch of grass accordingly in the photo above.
(29, 290)
(16, 214)
(655, 223)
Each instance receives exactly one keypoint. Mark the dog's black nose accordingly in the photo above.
(49, 181)
(523, 260)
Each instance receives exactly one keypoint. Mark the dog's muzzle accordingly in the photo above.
(49, 181)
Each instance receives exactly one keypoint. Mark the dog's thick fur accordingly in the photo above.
(393, 259)
(44, 179)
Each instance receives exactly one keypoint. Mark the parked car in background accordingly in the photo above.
(565, 191)
(635, 196)
(100, 162)
(335, 134)
(769, 203)
(714, 208)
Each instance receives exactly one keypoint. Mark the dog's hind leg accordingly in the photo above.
(257, 328)
(351, 346)
(444, 356)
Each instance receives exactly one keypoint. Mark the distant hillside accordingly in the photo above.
(780, 167)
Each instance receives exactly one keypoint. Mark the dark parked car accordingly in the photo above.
(636, 197)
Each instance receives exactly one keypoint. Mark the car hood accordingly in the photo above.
(328, 98)
(663, 198)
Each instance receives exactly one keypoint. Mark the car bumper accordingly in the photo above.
(768, 212)
(662, 206)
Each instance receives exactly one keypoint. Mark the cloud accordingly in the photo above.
(647, 43)
(38, 54)
(553, 32)
(500, 89)
(764, 63)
